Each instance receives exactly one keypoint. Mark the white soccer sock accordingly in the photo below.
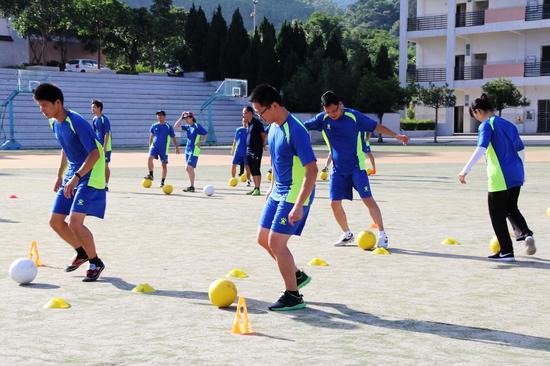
(348, 233)
(381, 234)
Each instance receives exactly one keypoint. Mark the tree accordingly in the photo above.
(269, 67)
(379, 14)
(503, 94)
(303, 90)
(437, 97)
(234, 47)
(383, 66)
(249, 61)
(216, 37)
(196, 29)
(380, 96)
(334, 49)
(291, 48)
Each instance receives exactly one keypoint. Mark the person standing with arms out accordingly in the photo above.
(238, 149)
(160, 134)
(291, 193)
(196, 135)
(341, 128)
(500, 142)
(256, 142)
(81, 192)
(102, 129)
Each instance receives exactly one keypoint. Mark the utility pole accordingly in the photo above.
(253, 15)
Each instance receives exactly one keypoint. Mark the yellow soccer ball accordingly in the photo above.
(366, 240)
(233, 182)
(244, 178)
(222, 293)
(495, 245)
(167, 189)
(323, 176)
(147, 183)
(269, 176)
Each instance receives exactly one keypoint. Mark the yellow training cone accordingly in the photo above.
(450, 241)
(548, 212)
(317, 262)
(241, 324)
(380, 251)
(57, 303)
(33, 254)
(143, 288)
(237, 273)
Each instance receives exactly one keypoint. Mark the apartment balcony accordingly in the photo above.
(537, 69)
(468, 72)
(538, 12)
(427, 23)
(426, 74)
(470, 19)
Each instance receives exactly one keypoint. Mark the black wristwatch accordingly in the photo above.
(78, 175)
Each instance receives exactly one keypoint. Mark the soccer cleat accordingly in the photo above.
(288, 302)
(161, 185)
(530, 247)
(93, 272)
(509, 257)
(383, 242)
(189, 189)
(77, 262)
(345, 240)
(250, 193)
(148, 176)
(248, 183)
(302, 279)
(256, 192)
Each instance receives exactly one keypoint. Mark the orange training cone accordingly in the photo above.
(241, 324)
(33, 254)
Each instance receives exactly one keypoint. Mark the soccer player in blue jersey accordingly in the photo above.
(102, 129)
(160, 135)
(238, 149)
(196, 135)
(500, 142)
(81, 192)
(365, 136)
(341, 128)
(291, 193)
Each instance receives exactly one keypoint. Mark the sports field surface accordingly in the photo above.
(425, 304)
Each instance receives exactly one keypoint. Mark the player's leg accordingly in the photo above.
(341, 188)
(233, 170)
(256, 174)
(498, 204)
(284, 258)
(362, 186)
(150, 166)
(107, 169)
(521, 230)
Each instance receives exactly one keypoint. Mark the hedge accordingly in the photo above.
(417, 124)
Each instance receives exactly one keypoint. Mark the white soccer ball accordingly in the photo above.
(23, 271)
(208, 190)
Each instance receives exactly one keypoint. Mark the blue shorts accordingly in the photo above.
(275, 217)
(191, 159)
(157, 154)
(341, 185)
(239, 159)
(86, 200)
(107, 156)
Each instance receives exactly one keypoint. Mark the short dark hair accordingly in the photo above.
(481, 104)
(249, 109)
(329, 98)
(265, 95)
(48, 92)
(98, 104)
(161, 112)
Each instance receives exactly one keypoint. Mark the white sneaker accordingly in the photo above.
(248, 184)
(530, 247)
(345, 240)
(382, 242)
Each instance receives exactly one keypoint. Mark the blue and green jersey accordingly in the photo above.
(194, 133)
(77, 139)
(502, 141)
(161, 136)
(290, 148)
(102, 128)
(344, 137)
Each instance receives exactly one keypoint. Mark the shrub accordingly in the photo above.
(417, 124)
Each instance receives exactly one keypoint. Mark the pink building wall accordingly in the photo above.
(504, 15)
(503, 70)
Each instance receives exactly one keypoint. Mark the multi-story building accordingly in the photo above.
(466, 43)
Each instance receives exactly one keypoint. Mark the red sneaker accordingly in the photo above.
(77, 262)
(93, 272)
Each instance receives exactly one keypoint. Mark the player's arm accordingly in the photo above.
(272, 183)
(315, 123)
(91, 159)
(329, 161)
(60, 171)
(175, 142)
(264, 140)
(380, 128)
(150, 139)
(106, 141)
(178, 122)
(307, 187)
(233, 146)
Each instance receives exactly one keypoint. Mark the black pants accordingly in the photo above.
(254, 161)
(241, 169)
(504, 205)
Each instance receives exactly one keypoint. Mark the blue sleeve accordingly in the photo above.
(151, 129)
(485, 135)
(300, 141)
(171, 131)
(85, 134)
(201, 130)
(185, 128)
(365, 123)
(315, 123)
(106, 124)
